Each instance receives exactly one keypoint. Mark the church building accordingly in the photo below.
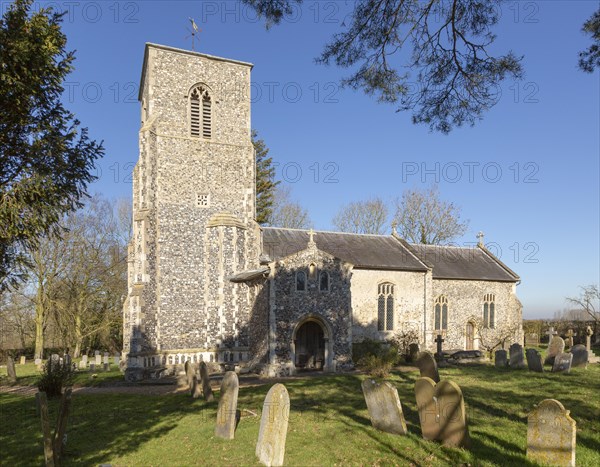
(206, 282)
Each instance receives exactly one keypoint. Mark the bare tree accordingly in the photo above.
(288, 213)
(422, 217)
(588, 301)
(492, 338)
(363, 217)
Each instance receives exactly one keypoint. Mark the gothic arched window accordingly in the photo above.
(489, 311)
(385, 307)
(441, 313)
(200, 113)
(324, 281)
(300, 281)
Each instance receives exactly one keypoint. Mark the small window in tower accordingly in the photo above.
(202, 200)
(300, 281)
(200, 108)
(206, 117)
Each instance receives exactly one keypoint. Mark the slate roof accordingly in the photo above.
(388, 252)
(450, 262)
(363, 251)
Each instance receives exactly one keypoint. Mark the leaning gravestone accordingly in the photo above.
(227, 411)
(270, 447)
(384, 407)
(551, 435)
(580, 355)
(501, 360)
(562, 363)
(196, 390)
(556, 346)
(534, 360)
(22, 360)
(426, 406)
(442, 412)
(206, 389)
(10, 369)
(189, 373)
(427, 366)
(452, 416)
(517, 359)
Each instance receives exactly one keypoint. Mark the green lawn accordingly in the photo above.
(28, 374)
(329, 423)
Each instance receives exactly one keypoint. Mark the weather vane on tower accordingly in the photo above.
(193, 32)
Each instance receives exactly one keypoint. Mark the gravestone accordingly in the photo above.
(562, 363)
(227, 411)
(84, 359)
(427, 366)
(551, 333)
(501, 360)
(588, 338)
(569, 339)
(67, 360)
(92, 366)
(556, 346)
(426, 406)
(532, 340)
(106, 366)
(385, 410)
(98, 359)
(270, 447)
(439, 341)
(206, 389)
(534, 360)
(580, 355)
(38, 362)
(517, 359)
(105, 358)
(551, 435)
(11, 370)
(54, 360)
(196, 390)
(96, 352)
(413, 351)
(442, 412)
(22, 360)
(189, 372)
(117, 360)
(82, 365)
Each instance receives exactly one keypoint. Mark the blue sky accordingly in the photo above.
(527, 175)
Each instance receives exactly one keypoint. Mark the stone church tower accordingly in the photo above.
(193, 212)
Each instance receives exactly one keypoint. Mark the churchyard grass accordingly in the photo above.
(329, 423)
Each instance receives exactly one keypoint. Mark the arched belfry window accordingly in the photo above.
(385, 307)
(441, 313)
(200, 112)
(489, 311)
(300, 281)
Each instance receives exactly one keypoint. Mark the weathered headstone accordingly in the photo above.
(534, 360)
(96, 352)
(580, 355)
(427, 366)
(556, 346)
(562, 363)
(551, 333)
(10, 369)
(105, 358)
(82, 365)
(196, 390)
(531, 340)
(385, 410)
(413, 351)
(189, 373)
(442, 413)
(22, 360)
(451, 414)
(92, 366)
(206, 389)
(517, 359)
(426, 406)
(106, 366)
(569, 339)
(227, 411)
(551, 435)
(501, 360)
(588, 338)
(84, 359)
(117, 360)
(38, 362)
(270, 447)
(98, 359)
(67, 359)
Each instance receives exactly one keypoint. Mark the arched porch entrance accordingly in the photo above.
(312, 347)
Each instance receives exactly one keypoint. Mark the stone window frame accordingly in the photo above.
(386, 302)
(440, 313)
(305, 281)
(199, 114)
(489, 311)
(321, 274)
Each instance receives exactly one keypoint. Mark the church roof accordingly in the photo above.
(476, 263)
(362, 251)
(389, 252)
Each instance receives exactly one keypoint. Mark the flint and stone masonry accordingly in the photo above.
(207, 283)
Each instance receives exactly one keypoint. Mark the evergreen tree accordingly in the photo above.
(265, 181)
(46, 159)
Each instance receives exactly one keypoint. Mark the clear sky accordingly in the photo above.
(527, 175)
